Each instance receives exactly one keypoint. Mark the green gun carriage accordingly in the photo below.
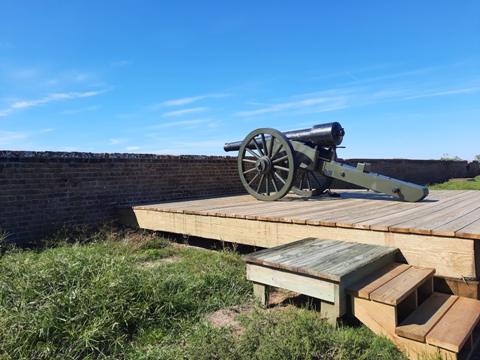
(273, 163)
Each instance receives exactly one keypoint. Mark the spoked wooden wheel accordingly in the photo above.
(314, 183)
(266, 164)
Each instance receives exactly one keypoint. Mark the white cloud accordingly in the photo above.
(116, 141)
(13, 137)
(189, 100)
(443, 93)
(76, 111)
(133, 148)
(52, 98)
(186, 111)
(183, 123)
(308, 105)
(182, 101)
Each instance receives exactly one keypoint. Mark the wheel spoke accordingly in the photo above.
(253, 153)
(279, 160)
(249, 170)
(270, 147)
(249, 161)
(277, 150)
(274, 184)
(278, 167)
(256, 145)
(309, 182)
(302, 177)
(279, 178)
(267, 188)
(264, 144)
(254, 178)
(260, 183)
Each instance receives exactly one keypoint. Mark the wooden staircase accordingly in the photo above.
(399, 302)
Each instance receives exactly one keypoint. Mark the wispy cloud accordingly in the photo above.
(55, 97)
(132, 148)
(116, 141)
(311, 105)
(186, 111)
(23, 104)
(13, 137)
(183, 123)
(189, 100)
(443, 93)
(76, 111)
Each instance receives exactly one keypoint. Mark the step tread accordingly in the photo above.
(364, 287)
(425, 317)
(398, 288)
(456, 326)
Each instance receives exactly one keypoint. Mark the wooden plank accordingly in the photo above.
(471, 231)
(455, 328)
(413, 222)
(419, 323)
(372, 282)
(316, 288)
(397, 289)
(390, 221)
(466, 217)
(447, 215)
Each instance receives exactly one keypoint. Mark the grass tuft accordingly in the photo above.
(457, 185)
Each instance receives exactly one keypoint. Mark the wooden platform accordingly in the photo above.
(441, 232)
(316, 267)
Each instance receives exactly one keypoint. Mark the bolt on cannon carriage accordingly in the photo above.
(273, 163)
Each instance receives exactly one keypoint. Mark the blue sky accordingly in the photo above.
(183, 77)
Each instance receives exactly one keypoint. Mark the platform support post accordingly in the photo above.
(261, 293)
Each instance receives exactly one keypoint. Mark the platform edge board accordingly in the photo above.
(308, 285)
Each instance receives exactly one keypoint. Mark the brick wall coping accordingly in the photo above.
(8, 154)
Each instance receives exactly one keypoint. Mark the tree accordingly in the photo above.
(477, 157)
(445, 157)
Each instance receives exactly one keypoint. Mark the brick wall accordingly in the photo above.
(43, 191)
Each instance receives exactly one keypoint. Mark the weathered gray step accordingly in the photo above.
(316, 267)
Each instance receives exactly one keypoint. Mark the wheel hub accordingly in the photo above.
(263, 165)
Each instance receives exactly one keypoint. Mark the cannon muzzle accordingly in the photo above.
(323, 135)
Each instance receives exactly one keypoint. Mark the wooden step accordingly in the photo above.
(391, 284)
(368, 284)
(455, 328)
(320, 268)
(425, 317)
(397, 289)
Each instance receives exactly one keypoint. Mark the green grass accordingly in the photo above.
(148, 298)
(457, 185)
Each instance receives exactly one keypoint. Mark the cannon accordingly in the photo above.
(273, 163)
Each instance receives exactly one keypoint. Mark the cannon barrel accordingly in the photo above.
(328, 135)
